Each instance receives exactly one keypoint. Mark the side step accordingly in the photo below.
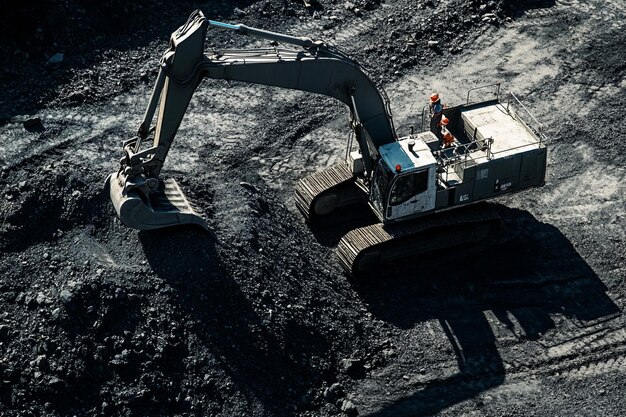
(321, 193)
(374, 248)
(167, 207)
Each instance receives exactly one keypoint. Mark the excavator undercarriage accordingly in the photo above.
(427, 197)
(371, 250)
(323, 192)
(374, 249)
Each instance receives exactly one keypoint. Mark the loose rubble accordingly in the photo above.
(97, 319)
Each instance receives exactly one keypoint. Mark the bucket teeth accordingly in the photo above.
(167, 207)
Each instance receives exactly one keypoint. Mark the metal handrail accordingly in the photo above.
(448, 162)
(484, 86)
(423, 118)
(515, 147)
(536, 130)
(349, 147)
(482, 144)
(453, 161)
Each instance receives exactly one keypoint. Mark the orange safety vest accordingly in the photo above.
(448, 138)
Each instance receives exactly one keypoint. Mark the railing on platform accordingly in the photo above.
(448, 158)
(533, 125)
(496, 93)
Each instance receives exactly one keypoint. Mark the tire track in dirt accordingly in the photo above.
(74, 124)
(62, 130)
(596, 354)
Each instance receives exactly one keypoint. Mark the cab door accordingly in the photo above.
(411, 193)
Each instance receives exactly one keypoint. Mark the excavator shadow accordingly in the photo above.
(519, 289)
(235, 346)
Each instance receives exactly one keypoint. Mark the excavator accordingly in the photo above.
(427, 197)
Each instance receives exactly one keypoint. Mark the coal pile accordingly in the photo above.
(256, 317)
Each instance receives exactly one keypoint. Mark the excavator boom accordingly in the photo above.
(143, 201)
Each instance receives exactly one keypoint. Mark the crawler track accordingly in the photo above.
(373, 248)
(319, 194)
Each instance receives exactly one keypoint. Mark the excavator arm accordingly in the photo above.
(143, 201)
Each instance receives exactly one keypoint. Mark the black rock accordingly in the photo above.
(56, 58)
(369, 6)
(41, 299)
(56, 313)
(334, 392)
(55, 382)
(106, 407)
(353, 367)
(349, 408)
(120, 294)
(5, 331)
(77, 97)
(33, 124)
(30, 301)
(249, 187)
(42, 362)
(66, 297)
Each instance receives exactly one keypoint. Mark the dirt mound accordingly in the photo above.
(256, 317)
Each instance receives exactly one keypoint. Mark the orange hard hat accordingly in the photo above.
(444, 120)
(434, 97)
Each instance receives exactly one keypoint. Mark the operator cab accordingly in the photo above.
(404, 180)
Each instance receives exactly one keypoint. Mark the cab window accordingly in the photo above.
(421, 181)
(382, 177)
(408, 186)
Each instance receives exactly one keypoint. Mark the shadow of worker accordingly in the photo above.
(474, 346)
(480, 367)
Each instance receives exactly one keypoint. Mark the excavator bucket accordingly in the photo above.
(165, 208)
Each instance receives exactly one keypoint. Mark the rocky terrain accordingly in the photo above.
(256, 318)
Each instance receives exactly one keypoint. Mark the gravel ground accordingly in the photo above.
(256, 317)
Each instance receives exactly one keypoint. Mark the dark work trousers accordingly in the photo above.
(435, 119)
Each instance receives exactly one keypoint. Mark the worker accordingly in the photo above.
(447, 138)
(442, 127)
(436, 111)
